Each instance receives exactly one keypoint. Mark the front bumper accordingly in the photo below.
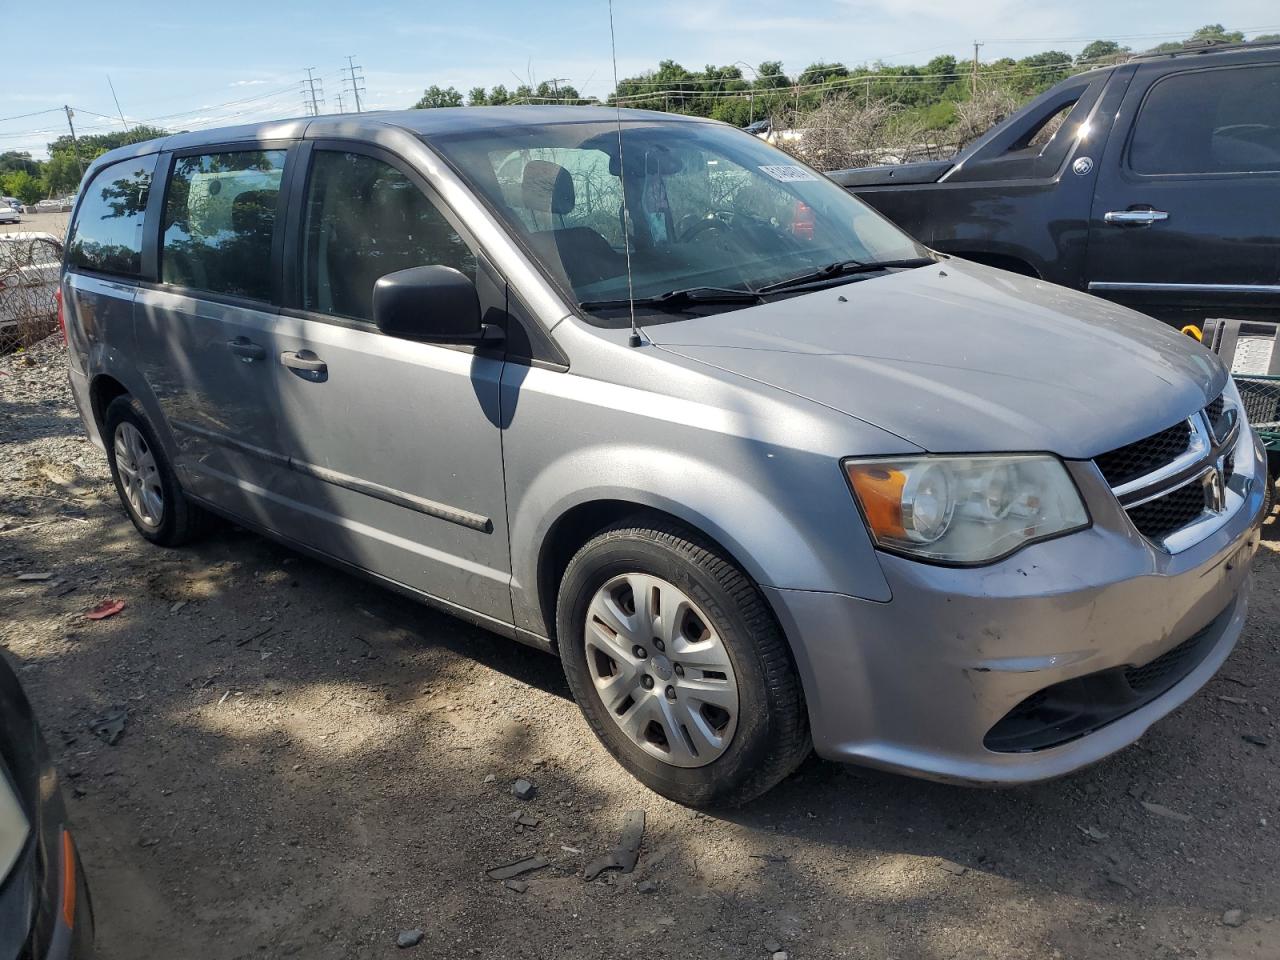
(916, 684)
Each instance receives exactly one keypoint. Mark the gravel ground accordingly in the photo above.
(311, 765)
(55, 223)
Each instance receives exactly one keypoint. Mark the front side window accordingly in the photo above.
(364, 220)
(706, 205)
(1210, 121)
(219, 218)
(107, 233)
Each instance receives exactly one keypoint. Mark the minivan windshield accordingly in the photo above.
(713, 212)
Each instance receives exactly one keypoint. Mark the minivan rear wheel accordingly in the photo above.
(679, 666)
(144, 478)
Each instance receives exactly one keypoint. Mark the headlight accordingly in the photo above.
(965, 509)
(14, 827)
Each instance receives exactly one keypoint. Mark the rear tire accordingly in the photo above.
(735, 709)
(144, 478)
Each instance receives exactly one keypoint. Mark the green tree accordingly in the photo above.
(434, 96)
(553, 92)
(96, 144)
(820, 71)
(1216, 31)
(62, 172)
(21, 184)
(12, 160)
(771, 76)
(1040, 71)
(498, 96)
(1101, 51)
(477, 97)
(1266, 38)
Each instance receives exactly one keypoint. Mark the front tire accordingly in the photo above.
(144, 478)
(679, 666)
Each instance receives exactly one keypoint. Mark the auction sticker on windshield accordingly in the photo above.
(787, 173)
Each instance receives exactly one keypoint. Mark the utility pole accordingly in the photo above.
(356, 80)
(309, 98)
(75, 144)
(341, 105)
(555, 85)
(976, 45)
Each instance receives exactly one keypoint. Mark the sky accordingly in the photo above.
(193, 65)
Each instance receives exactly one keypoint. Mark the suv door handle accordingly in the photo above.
(246, 349)
(306, 364)
(1134, 218)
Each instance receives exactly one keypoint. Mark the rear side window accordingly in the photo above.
(1210, 121)
(366, 219)
(219, 218)
(107, 233)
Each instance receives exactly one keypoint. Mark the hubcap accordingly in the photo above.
(139, 475)
(679, 705)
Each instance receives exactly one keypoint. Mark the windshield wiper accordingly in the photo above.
(677, 299)
(843, 268)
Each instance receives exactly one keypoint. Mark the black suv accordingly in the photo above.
(1153, 183)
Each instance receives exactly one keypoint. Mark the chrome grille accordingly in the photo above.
(1173, 479)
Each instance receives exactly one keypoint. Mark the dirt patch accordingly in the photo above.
(311, 765)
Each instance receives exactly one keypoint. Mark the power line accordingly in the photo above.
(34, 113)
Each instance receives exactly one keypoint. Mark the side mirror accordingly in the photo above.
(432, 304)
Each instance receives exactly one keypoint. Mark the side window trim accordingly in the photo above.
(156, 232)
(154, 217)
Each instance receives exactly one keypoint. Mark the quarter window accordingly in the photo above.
(1210, 121)
(365, 219)
(107, 233)
(219, 218)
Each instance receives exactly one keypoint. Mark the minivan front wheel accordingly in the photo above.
(145, 480)
(679, 666)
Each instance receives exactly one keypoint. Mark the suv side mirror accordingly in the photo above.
(432, 304)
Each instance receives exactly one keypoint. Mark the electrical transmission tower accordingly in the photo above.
(310, 99)
(355, 79)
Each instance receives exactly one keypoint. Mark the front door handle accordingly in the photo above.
(1134, 218)
(306, 365)
(246, 349)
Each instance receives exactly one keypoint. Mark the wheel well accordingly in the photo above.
(578, 525)
(1001, 262)
(102, 391)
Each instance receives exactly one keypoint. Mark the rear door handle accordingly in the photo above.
(246, 349)
(306, 365)
(1134, 218)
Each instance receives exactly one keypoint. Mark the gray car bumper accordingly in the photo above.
(916, 684)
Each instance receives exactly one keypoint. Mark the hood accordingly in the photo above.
(963, 358)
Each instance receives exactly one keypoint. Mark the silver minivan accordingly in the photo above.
(766, 473)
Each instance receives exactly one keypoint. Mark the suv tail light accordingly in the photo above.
(62, 320)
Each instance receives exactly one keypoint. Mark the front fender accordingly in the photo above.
(790, 521)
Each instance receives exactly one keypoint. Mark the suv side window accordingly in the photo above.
(107, 233)
(365, 219)
(1209, 121)
(219, 218)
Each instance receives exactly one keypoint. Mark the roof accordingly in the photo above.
(430, 123)
(1204, 47)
